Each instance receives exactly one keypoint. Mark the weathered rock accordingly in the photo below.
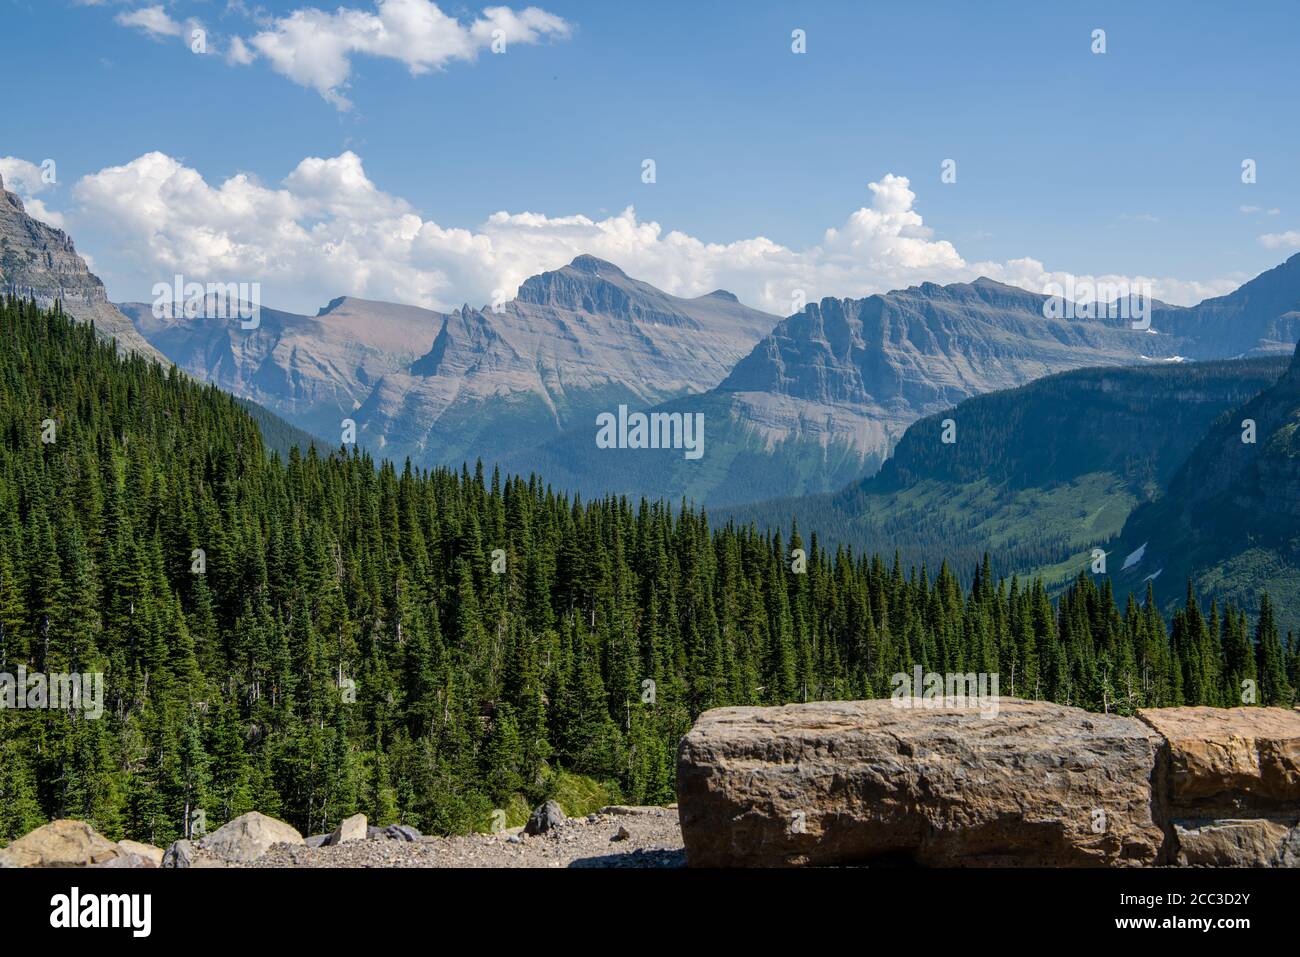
(1230, 762)
(248, 837)
(40, 262)
(62, 843)
(622, 834)
(148, 851)
(393, 832)
(1036, 784)
(127, 861)
(1253, 842)
(627, 809)
(317, 840)
(350, 829)
(544, 817)
(180, 854)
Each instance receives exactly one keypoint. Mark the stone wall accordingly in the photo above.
(1034, 784)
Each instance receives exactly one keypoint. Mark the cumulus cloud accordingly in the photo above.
(151, 20)
(26, 181)
(327, 229)
(315, 48)
(1287, 240)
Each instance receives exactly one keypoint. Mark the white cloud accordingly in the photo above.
(239, 53)
(315, 48)
(328, 230)
(25, 180)
(1287, 240)
(152, 20)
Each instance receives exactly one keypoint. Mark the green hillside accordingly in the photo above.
(322, 634)
(1230, 518)
(1037, 476)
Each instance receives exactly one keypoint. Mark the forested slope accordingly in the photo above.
(232, 689)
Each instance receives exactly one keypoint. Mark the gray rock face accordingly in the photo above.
(443, 387)
(544, 817)
(40, 262)
(179, 854)
(393, 832)
(841, 782)
(862, 370)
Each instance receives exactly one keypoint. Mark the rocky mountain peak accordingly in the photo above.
(595, 287)
(591, 264)
(38, 261)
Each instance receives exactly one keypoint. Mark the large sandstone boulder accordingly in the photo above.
(1233, 785)
(247, 838)
(1230, 762)
(63, 843)
(1035, 784)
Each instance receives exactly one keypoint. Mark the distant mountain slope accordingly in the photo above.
(820, 401)
(862, 370)
(1260, 317)
(40, 262)
(1039, 475)
(1230, 517)
(313, 370)
(574, 342)
(486, 383)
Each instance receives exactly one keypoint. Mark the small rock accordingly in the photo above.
(317, 840)
(126, 860)
(621, 835)
(545, 818)
(514, 839)
(393, 832)
(180, 854)
(154, 854)
(351, 829)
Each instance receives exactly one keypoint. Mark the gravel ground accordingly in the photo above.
(653, 840)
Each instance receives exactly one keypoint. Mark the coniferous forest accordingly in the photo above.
(315, 634)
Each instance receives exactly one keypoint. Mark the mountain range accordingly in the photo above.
(1134, 449)
(473, 383)
(801, 405)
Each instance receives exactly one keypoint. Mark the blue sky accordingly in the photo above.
(1124, 163)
